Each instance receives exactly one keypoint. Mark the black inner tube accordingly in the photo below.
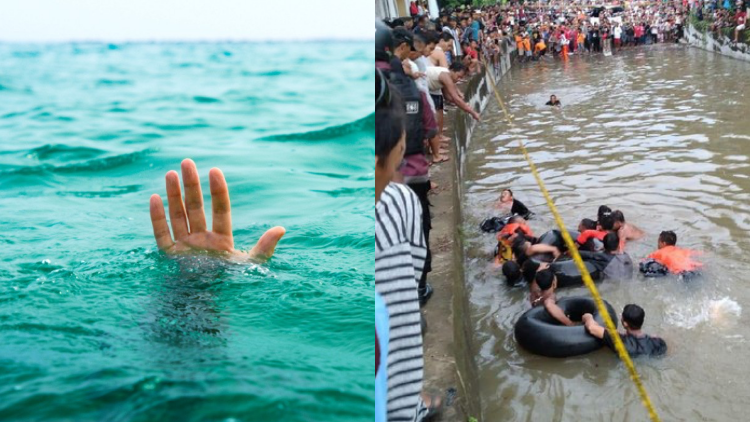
(539, 333)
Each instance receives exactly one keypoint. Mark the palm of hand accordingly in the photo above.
(188, 219)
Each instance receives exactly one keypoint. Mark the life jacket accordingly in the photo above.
(412, 98)
(677, 260)
(588, 234)
(503, 251)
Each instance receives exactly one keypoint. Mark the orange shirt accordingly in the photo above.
(509, 229)
(527, 44)
(519, 42)
(540, 46)
(677, 260)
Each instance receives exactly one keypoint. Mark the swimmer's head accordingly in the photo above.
(619, 219)
(507, 195)
(546, 280)
(603, 210)
(586, 224)
(607, 222)
(633, 316)
(667, 238)
(517, 219)
(512, 272)
(611, 242)
(553, 98)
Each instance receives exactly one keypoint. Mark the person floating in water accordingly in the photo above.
(669, 258)
(553, 101)
(188, 219)
(510, 205)
(636, 342)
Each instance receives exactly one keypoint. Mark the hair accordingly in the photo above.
(607, 222)
(512, 272)
(430, 37)
(588, 224)
(618, 216)
(509, 191)
(544, 279)
(457, 67)
(528, 269)
(389, 125)
(634, 316)
(669, 238)
(446, 36)
(603, 210)
(553, 95)
(516, 219)
(419, 38)
(611, 242)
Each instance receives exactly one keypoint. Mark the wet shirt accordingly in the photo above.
(638, 346)
(677, 260)
(620, 267)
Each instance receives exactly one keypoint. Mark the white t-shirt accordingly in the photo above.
(618, 32)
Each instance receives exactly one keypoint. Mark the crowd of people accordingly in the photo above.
(727, 14)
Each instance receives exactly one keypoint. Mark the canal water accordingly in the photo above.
(660, 133)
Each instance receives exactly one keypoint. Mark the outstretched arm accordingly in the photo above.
(451, 93)
(188, 219)
(592, 326)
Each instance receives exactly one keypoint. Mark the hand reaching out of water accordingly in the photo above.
(195, 236)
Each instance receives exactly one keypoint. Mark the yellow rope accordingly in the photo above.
(619, 346)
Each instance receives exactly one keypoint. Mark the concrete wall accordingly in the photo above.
(717, 43)
(478, 92)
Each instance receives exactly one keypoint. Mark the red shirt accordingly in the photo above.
(471, 53)
(741, 18)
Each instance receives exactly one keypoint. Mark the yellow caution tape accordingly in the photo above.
(619, 346)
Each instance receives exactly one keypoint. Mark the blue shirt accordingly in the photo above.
(381, 377)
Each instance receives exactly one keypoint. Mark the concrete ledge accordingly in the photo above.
(448, 348)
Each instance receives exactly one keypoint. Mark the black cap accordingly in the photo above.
(383, 41)
(401, 35)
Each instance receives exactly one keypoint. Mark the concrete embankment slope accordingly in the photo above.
(449, 354)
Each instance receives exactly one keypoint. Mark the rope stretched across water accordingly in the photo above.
(619, 346)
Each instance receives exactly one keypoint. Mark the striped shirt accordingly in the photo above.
(400, 253)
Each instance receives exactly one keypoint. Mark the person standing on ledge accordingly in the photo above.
(553, 101)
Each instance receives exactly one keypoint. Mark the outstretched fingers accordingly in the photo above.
(159, 222)
(176, 207)
(193, 197)
(220, 206)
(267, 244)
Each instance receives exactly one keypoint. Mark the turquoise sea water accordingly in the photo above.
(96, 324)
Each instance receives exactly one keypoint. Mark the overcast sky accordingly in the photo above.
(139, 20)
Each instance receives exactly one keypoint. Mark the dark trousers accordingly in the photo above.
(422, 189)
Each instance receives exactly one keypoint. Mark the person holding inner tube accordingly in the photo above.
(516, 226)
(669, 258)
(523, 249)
(543, 293)
(625, 231)
(636, 342)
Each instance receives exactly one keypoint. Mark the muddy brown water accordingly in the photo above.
(663, 134)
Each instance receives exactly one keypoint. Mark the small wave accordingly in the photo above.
(347, 192)
(98, 164)
(201, 99)
(64, 152)
(171, 127)
(110, 191)
(109, 82)
(720, 313)
(266, 73)
(364, 124)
